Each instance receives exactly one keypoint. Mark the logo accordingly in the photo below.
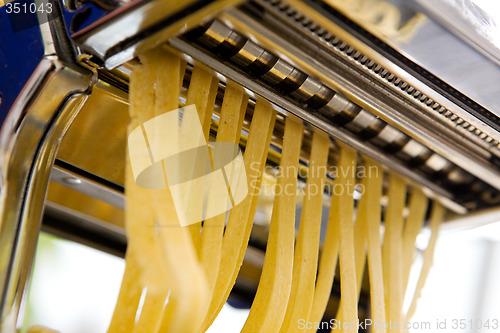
(205, 180)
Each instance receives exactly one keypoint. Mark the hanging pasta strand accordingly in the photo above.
(202, 92)
(123, 319)
(150, 312)
(169, 70)
(143, 251)
(348, 286)
(162, 248)
(392, 251)
(307, 245)
(269, 305)
(360, 238)
(232, 114)
(437, 216)
(373, 194)
(188, 294)
(328, 260)
(413, 226)
(241, 217)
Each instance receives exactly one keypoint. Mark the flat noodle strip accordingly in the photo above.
(241, 217)
(168, 71)
(392, 251)
(248, 227)
(188, 297)
(348, 285)
(201, 92)
(123, 319)
(328, 261)
(413, 226)
(231, 119)
(307, 245)
(437, 216)
(360, 237)
(142, 251)
(269, 305)
(360, 244)
(373, 194)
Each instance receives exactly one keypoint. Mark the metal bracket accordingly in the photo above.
(30, 137)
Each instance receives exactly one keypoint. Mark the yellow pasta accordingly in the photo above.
(202, 92)
(188, 284)
(166, 69)
(373, 193)
(392, 252)
(269, 305)
(414, 223)
(360, 237)
(348, 284)
(143, 250)
(307, 245)
(185, 274)
(437, 216)
(162, 249)
(150, 312)
(241, 217)
(128, 299)
(232, 114)
(328, 260)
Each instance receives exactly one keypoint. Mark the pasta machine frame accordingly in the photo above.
(304, 56)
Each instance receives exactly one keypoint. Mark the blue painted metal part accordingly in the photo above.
(89, 13)
(21, 48)
(20, 53)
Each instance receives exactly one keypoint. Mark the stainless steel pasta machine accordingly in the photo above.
(421, 97)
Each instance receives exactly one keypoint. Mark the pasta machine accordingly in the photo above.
(416, 91)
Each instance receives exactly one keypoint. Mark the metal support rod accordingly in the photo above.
(45, 116)
(29, 140)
